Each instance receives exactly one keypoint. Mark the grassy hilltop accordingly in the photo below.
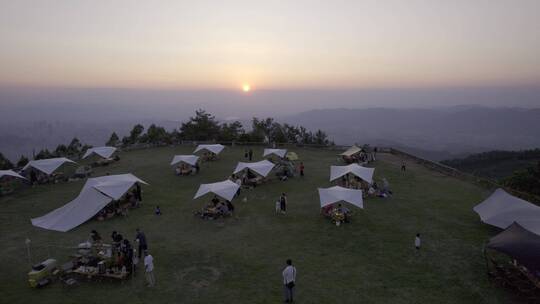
(239, 260)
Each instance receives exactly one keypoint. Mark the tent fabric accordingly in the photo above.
(216, 149)
(362, 172)
(188, 159)
(10, 173)
(520, 244)
(262, 167)
(97, 193)
(336, 194)
(105, 152)
(292, 156)
(49, 165)
(501, 209)
(226, 189)
(278, 152)
(351, 151)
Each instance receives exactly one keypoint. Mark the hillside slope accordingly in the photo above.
(239, 260)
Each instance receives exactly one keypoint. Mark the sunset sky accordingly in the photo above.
(269, 44)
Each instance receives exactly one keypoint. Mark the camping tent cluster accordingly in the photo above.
(96, 194)
(277, 152)
(521, 223)
(47, 166)
(366, 174)
(104, 152)
(329, 196)
(501, 209)
(10, 173)
(262, 167)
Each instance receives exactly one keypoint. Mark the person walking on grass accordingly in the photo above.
(301, 167)
(403, 166)
(289, 279)
(149, 269)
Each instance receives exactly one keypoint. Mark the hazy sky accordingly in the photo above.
(269, 44)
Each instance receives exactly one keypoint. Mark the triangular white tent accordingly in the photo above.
(188, 159)
(278, 152)
(216, 149)
(49, 165)
(362, 172)
(335, 194)
(351, 151)
(97, 193)
(10, 173)
(226, 189)
(501, 209)
(262, 167)
(105, 152)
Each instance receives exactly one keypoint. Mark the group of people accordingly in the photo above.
(132, 199)
(248, 154)
(216, 209)
(337, 213)
(125, 257)
(187, 169)
(383, 191)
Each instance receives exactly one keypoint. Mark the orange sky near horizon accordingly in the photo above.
(270, 45)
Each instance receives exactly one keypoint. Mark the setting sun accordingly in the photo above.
(246, 87)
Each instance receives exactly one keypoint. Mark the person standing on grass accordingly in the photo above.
(250, 154)
(141, 239)
(149, 269)
(289, 279)
(138, 192)
(417, 241)
(403, 166)
(283, 203)
(302, 167)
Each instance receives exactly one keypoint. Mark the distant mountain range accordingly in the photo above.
(439, 133)
(432, 133)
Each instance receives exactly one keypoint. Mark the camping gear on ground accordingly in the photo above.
(41, 273)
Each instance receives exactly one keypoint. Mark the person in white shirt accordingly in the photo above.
(417, 241)
(289, 279)
(149, 269)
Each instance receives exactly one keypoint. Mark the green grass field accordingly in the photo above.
(239, 260)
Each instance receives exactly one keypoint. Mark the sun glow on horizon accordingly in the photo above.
(246, 87)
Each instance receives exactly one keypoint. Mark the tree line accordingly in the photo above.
(205, 127)
(201, 127)
(519, 177)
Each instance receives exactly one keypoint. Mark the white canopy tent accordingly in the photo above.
(262, 167)
(105, 152)
(362, 172)
(97, 193)
(501, 209)
(188, 159)
(226, 189)
(278, 152)
(216, 149)
(351, 151)
(336, 194)
(10, 173)
(49, 165)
